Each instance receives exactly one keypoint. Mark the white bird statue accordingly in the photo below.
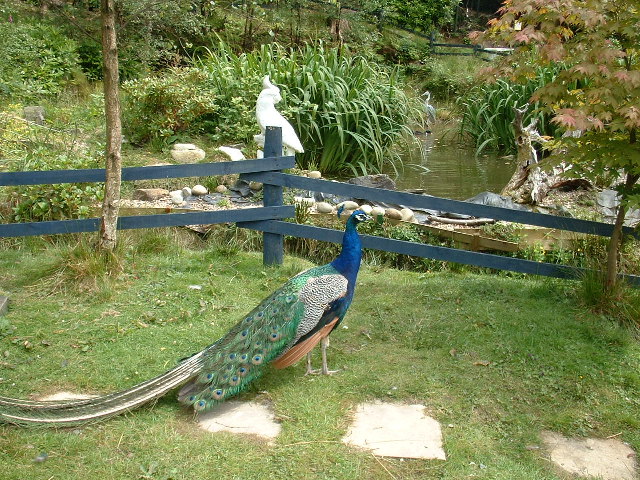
(268, 116)
(429, 109)
(234, 154)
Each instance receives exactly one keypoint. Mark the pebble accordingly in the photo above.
(376, 211)
(393, 214)
(255, 186)
(221, 189)
(186, 192)
(176, 197)
(324, 207)
(407, 215)
(366, 208)
(314, 174)
(349, 205)
(199, 190)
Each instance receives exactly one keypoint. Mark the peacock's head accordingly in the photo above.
(358, 216)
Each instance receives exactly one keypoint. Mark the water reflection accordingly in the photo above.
(454, 170)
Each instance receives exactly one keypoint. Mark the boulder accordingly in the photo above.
(380, 180)
(34, 114)
(187, 153)
(200, 190)
(149, 194)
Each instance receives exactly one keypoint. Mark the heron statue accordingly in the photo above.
(429, 109)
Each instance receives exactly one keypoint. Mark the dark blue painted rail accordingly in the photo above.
(266, 218)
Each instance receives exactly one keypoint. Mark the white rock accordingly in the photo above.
(376, 211)
(314, 174)
(199, 190)
(366, 208)
(176, 197)
(255, 186)
(324, 207)
(259, 154)
(234, 154)
(407, 215)
(221, 189)
(186, 192)
(349, 205)
(393, 214)
(187, 153)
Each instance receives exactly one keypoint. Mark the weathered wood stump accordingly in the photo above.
(530, 184)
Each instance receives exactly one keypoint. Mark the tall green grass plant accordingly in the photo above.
(349, 113)
(488, 111)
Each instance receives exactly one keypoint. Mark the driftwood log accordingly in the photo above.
(530, 184)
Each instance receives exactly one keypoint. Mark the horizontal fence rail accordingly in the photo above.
(414, 249)
(146, 173)
(147, 221)
(268, 218)
(437, 203)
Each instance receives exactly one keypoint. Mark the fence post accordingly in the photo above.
(272, 243)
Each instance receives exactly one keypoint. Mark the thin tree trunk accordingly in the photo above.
(113, 180)
(613, 250)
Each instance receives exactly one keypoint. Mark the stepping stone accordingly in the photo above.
(241, 417)
(396, 430)
(606, 459)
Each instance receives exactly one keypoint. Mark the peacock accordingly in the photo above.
(281, 330)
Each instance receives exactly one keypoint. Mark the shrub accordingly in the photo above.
(162, 107)
(36, 60)
(56, 201)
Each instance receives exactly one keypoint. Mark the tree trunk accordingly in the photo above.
(111, 203)
(613, 250)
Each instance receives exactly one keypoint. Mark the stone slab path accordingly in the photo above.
(605, 459)
(396, 430)
(250, 418)
(405, 431)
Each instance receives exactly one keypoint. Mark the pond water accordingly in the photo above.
(454, 171)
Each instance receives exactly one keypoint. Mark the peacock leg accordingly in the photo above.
(310, 370)
(324, 343)
(323, 346)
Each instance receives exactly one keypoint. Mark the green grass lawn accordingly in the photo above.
(495, 359)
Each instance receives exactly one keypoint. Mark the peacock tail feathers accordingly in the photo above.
(265, 334)
(279, 331)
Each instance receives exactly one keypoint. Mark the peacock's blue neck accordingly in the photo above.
(348, 262)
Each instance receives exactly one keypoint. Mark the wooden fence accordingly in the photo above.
(269, 218)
